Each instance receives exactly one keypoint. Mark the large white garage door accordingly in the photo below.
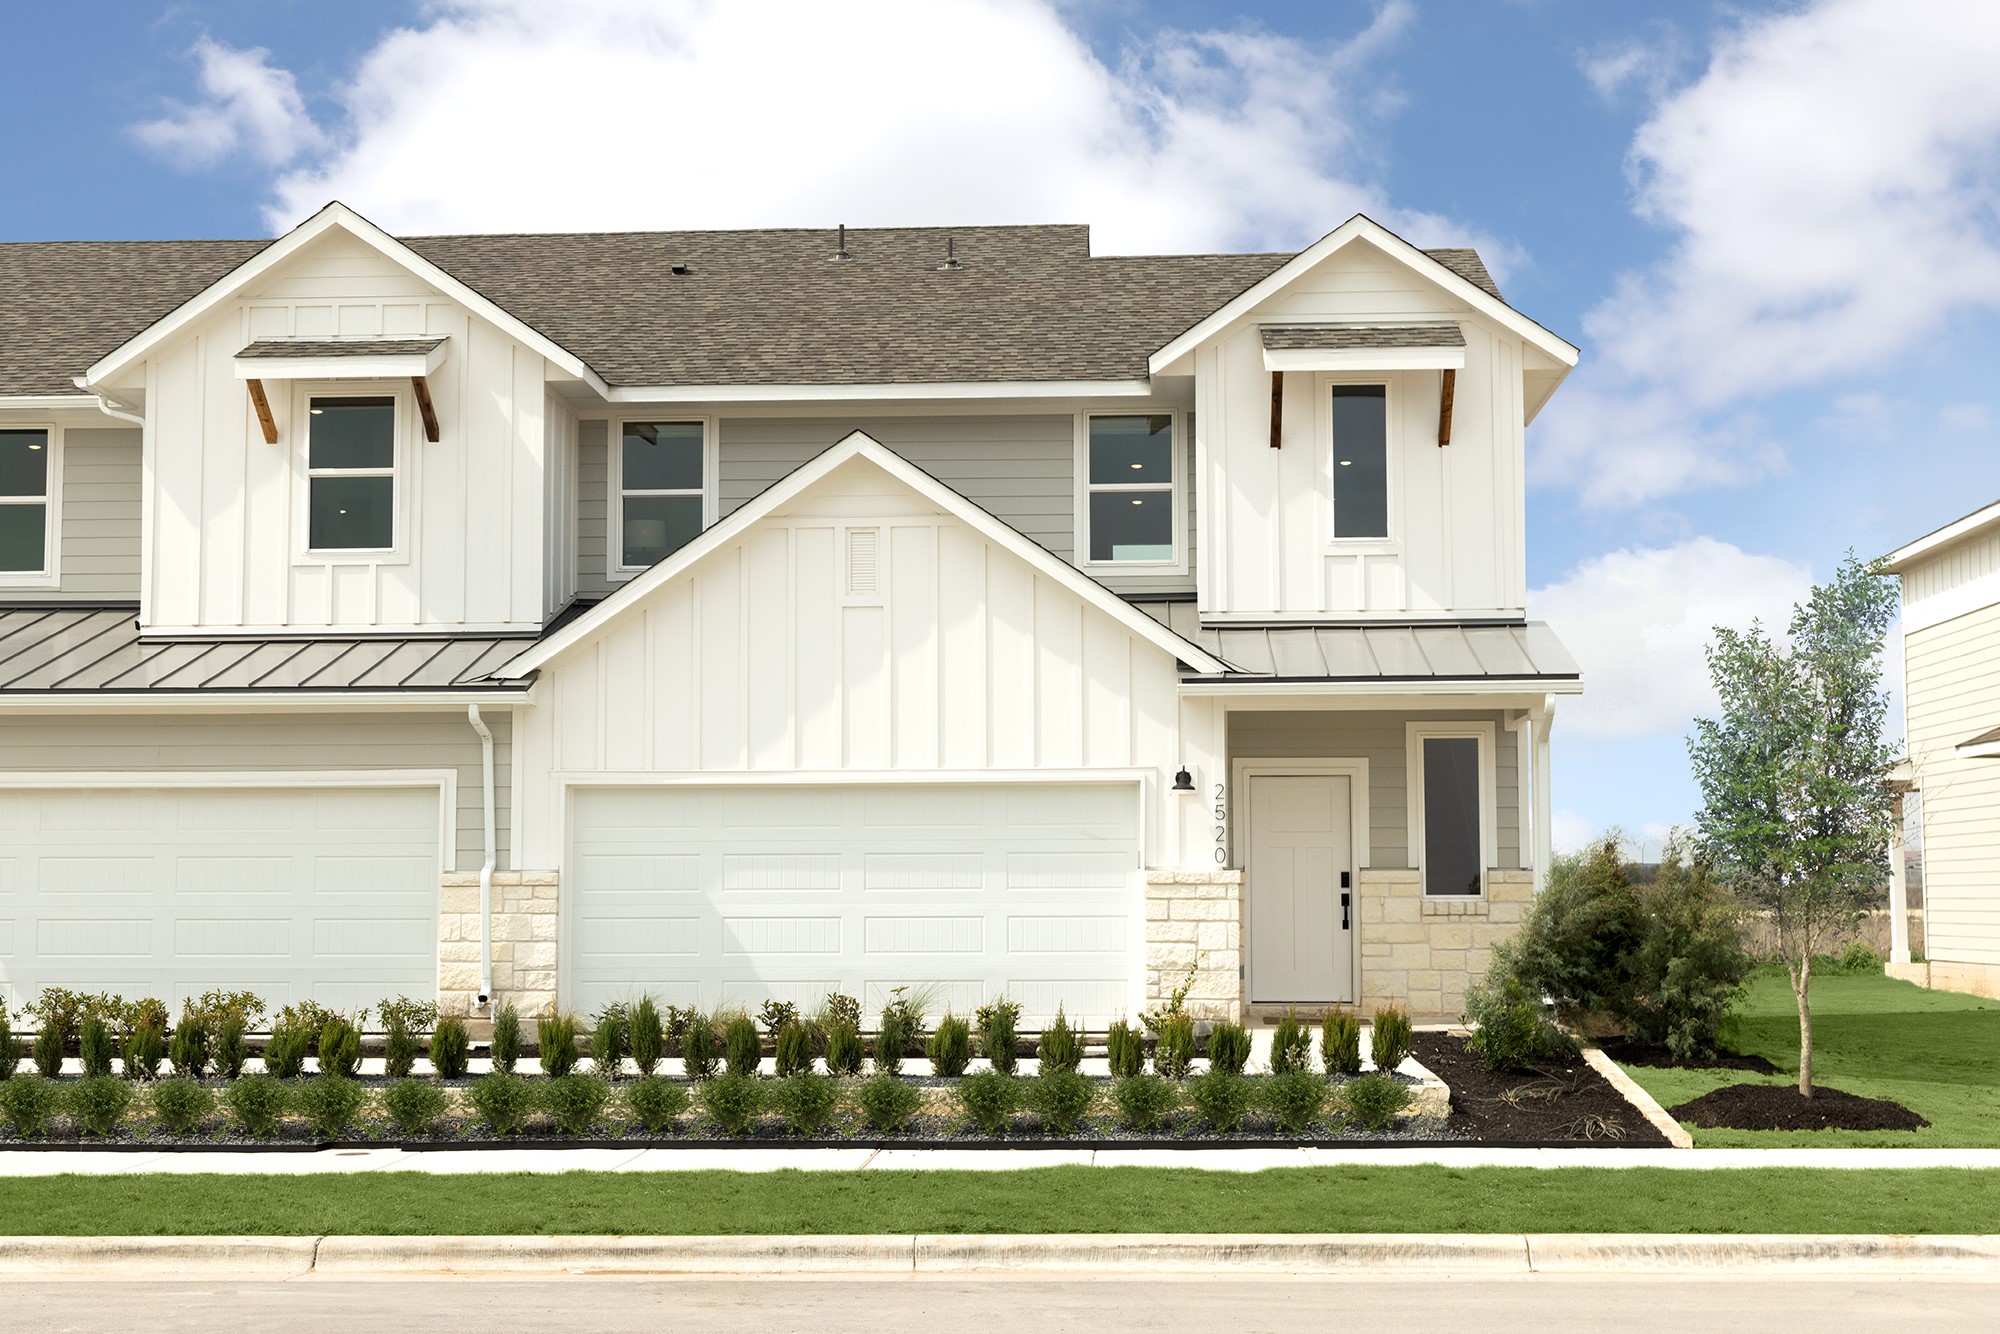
(737, 894)
(328, 893)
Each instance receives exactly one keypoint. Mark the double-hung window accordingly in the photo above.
(661, 481)
(26, 496)
(351, 472)
(1360, 416)
(1131, 488)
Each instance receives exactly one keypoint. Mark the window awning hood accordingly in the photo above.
(1364, 347)
(340, 358)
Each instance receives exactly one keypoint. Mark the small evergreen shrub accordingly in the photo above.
(10, 1047)
(415, 1105)
(30, 1103)
(257, 1102)
(1061, 1046)
(655, 1102)
(145, 1048)
(573, 1101)
(1222, 1099)
(95, 1046)
(805, 1100)
(1389, 1040)
(647, 1040)
(400, 1048)
(732, 1101)
(742, 1046)
(188, 1048)
(997, 1023)
(98, 1103)
(889, 1041)
(1229, 1048)
(989, 1098)
(794, 1045)
(1144, 1101)
(1173, 1052)
(1373, 1100)
(1064, 1098)
(950, 1048)
(555, 1040)
(1511, 1030)
(506, 1045)
(451, 1048)
(329, 1103)
(339, 1048)
(1293, 1100)
(181, 1105)
(502, 1102)
(1126, 1050)
(1291, 1046)
(888, 1103)
(845, 1050)
(48, 1052)
(285, 1053)
(698, 1047)
(232, 1049)
(607, 1044)
(1340, 1042)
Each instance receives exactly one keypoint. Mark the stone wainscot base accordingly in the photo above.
(525, 919)
(1196, 917)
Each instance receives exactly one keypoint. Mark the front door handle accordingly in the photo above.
(1345, 899)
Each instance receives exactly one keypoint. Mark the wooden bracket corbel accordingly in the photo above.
(425, 408)
(263, 407)
(1277, 409)
(1445, 392)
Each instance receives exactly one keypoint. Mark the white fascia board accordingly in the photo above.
(841, 393)
(1402, 691)
(260, 701)
(1362, 227)
(1979, 750)
(1364, 359)
(335, 215)
(859, 445)
(48, 403)
(1903, 557)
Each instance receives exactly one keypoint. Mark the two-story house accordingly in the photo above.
(726, 615)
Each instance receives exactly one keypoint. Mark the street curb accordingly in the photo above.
(1657, 1116)
(1134, 1253)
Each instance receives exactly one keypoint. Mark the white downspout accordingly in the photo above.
(492, 845)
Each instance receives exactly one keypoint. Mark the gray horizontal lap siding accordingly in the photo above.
(276, 743)
(99, 514)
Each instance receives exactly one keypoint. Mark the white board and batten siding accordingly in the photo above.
(225, 523)
(1952, 675)
(1456, 514)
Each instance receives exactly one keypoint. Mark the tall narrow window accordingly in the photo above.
(1129, 489)
(1453, 844)
(1360, 460)
(660, 485)
(351, 473)
(24, 501)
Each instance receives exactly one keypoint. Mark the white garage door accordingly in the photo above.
(736, 894)
(327, 893)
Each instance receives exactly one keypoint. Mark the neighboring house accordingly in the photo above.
(739, 614)
(1951, 703)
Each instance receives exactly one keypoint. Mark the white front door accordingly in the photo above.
(1299, 908)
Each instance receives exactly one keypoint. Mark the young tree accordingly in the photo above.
(1794, 774)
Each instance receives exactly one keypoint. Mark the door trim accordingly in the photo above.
(1355, 770)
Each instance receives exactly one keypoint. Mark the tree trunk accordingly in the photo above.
(1801, 986)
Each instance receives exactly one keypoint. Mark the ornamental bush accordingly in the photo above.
(1229, 1048)
(506, 1045)
(339, 1048)
(889, 1041)
(698, 1046)
(573, 1101)
(48, 1053)
(997, 1023)
(950, 1048)
(415, 1105)
(1291, 1046)
(989, 1098)
(845, 1050)
(1389, 1038)
(145, 1048)
(794, 1049)
(742, 1046)
(805, 1100)
(188, 1048)
(1373, 1100)
(655, 1103)
(400, 1048)
(503, 1102)
(1293, 1100)
(1144, 1101)
(1511, 1030)
(232, 1049)
(29, 1103)
(181, 1105)
(555, 1042)
(329, 1104)
(888, 1103)
(10, 1047)
(1125, 1049)
(98, 1103)
(285, 1052)
(732, 1101)
(608, 1042)
(1222, 1099)
(257, 1102)
(1173, 1052)
(1061, 1046)
(1064, 1098)
(451, 1048)
(1340, 1042)
(648, 1039)
(95, 1046)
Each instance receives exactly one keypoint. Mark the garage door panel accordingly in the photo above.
(923, 872)
(615, 943)
(96, 875)
(782, 872)
(234, 938)
(1068, 870)
(231, 874)
(346, 876)
(94, 937)
(960, 995)
(928, 934)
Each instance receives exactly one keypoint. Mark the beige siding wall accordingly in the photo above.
(99, 509)
(275, 743)
(1953, 676)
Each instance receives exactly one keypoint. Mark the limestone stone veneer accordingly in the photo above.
(1196, 916)
(525, 918)
(1424, 952)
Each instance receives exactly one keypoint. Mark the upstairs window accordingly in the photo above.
(1360, 461)
(1130, 490)
(351, 473)
(25, 526)
(662, 489)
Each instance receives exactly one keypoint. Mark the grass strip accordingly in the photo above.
(1415, 1198)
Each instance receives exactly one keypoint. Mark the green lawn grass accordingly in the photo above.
(1936, 1052)
(1383, 1198)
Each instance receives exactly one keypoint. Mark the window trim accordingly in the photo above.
(1183, 461)
(401, 473)
(50, 575)
(1485, 733)
(615, 569)
(1323, 386)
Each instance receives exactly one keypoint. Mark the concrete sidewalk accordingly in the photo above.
(204, 1258)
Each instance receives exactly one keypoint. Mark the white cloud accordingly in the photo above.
(249, 107)
(1967, 417)
(1638, 621)
(1570, 832)
(605, 114)
(1831, 183)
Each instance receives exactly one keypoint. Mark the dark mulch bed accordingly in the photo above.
(1779, 1107)
(1559, 1100)
(1659, 1058)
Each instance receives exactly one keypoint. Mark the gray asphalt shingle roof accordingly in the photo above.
(265, 348)
(768, 307)
(1295, 337)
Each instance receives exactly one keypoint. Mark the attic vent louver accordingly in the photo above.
(862, 564)
(681, 270)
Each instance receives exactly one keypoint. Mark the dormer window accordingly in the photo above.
(1131, 491)
(351, 472)
(27, 527)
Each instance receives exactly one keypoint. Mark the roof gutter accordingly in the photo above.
(492, 853)
(109, 406)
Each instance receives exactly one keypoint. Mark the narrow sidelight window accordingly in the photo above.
(1453, 848)
(24, 501)
(1360, 460)
(351, 473)
(1129, 489)
(660, 485)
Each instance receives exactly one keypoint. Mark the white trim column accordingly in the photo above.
(1899, 888)
(1544, 723)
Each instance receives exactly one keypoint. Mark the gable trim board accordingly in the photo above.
(860, 446)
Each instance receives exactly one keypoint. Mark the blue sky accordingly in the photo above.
(1770, 227)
